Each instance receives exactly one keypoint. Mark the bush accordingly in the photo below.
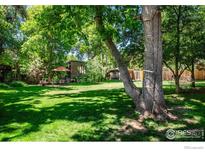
(4, 85)
(18, 84)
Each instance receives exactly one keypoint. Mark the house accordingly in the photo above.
(76, 69)
(61, 69)
(114, 74)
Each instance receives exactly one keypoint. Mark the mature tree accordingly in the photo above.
(11, 37)
(151, 100)
(44, 41)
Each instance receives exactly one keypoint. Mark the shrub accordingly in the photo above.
(4, 85)
(18, 84)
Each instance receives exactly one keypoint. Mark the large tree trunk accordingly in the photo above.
(152, 101)
(153, 97)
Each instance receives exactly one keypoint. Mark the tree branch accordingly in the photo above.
(129, 85)
(169, 67)
(182, 71)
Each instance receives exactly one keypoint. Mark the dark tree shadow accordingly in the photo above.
(109, 102)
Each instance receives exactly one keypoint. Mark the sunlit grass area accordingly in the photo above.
(91, 112)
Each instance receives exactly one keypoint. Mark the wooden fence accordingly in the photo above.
(167, 75)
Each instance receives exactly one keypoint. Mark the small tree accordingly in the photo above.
(180, 39)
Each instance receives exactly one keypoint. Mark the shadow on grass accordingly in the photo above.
(106, 109)
(195, 109)
(106, 103)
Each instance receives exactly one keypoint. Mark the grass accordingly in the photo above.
(91, 112)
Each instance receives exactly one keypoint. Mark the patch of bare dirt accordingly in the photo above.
(132, 126)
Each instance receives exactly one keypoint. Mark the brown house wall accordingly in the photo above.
(77, 69)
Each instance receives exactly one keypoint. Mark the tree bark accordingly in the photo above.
(151, 101)
(176, 80)
(152, 94)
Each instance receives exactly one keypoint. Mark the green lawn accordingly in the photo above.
(91, 112)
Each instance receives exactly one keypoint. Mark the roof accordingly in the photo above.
(61, 69)
(117, 70)
(77, 61)
(113, 70)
